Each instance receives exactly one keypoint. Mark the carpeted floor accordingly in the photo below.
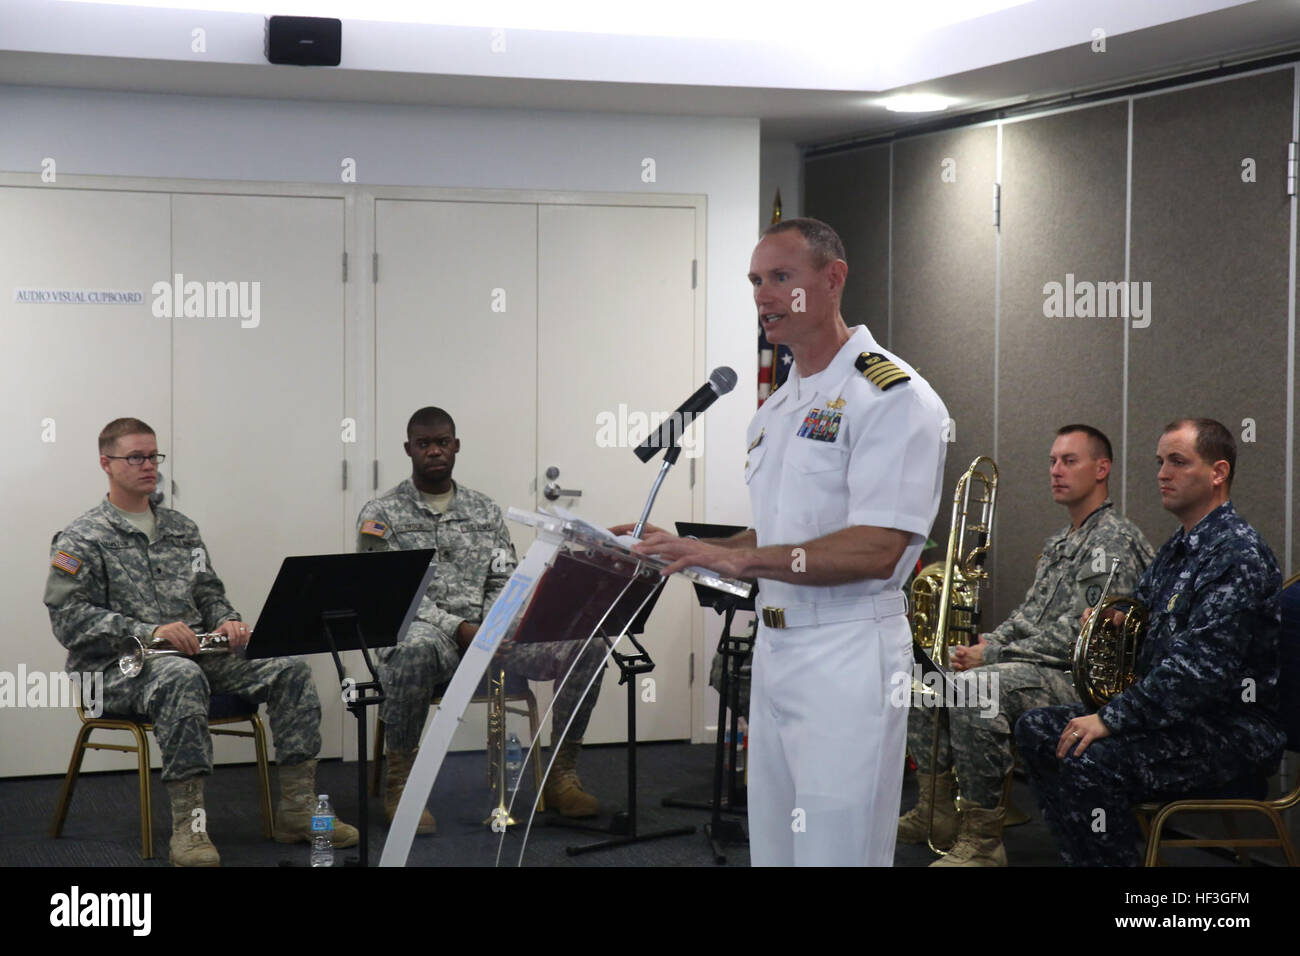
(103, 823)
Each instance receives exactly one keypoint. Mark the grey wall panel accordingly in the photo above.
(850, 191)
(1214, 249)
(944, 256)
(1063, 191)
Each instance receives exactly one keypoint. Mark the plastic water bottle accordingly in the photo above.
(322, 832)
(514, 761)
(742, 748)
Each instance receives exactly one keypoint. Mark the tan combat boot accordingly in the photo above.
(979, 839)
(563, 790)
(912, 825)
(190, 845)
(298, 803)
(399, 768)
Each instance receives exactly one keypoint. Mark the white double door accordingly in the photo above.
(543, 330)
(247, 409)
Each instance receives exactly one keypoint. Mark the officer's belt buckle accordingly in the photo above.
(774, 616)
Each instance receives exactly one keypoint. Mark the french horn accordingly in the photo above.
(1105, 658)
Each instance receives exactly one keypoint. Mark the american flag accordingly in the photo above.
(773, 363)
(773, 366)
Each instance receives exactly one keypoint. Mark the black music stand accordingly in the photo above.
(734, 648)
(928, 667)
(329, 603)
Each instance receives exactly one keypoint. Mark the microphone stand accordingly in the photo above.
(623, 829)
(670, 458)
(630, 665)
(734, 648)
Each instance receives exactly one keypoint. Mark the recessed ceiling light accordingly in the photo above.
(916, 103)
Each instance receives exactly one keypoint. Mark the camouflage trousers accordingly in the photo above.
(174, 693)
(1087, 799)
(975, 740)
(412, 670)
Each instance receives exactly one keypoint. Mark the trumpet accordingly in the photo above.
(1106, 652)
(496, 748)
(132, 664)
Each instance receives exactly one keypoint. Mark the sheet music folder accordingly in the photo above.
(383, 589)
(584, 590)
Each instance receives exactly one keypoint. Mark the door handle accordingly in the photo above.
(553, 491)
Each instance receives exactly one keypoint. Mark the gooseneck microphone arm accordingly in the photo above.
(670, 459)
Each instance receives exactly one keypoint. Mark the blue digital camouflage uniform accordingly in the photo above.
(107, 584)
(474, 558)
(1030, 653)
(1201, 715)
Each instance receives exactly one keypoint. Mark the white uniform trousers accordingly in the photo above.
(826, 746)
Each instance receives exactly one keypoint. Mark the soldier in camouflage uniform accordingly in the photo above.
(474, 559)
(126, 569)
(1202, 714)
(1025, 661)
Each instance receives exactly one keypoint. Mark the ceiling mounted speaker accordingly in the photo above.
(304, 41)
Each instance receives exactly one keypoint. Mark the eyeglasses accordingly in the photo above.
(136, 461)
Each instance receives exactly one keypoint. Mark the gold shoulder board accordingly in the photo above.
(879, 371)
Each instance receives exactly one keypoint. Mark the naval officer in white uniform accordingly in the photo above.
(845, 470)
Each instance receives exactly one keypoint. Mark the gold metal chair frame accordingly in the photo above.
(141, 749)
(1272, 810)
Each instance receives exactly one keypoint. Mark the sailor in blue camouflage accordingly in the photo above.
(1202, 714)
(1030, 652)
(474, 558)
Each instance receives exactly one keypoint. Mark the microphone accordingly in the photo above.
(721, 381)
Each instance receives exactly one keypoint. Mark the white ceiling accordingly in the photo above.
(1027, 52)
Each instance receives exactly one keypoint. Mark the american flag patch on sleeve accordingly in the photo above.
(66, 562)
(377, 528)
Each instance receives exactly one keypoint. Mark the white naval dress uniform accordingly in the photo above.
(826, 746)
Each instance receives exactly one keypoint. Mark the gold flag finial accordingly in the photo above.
(776, 206)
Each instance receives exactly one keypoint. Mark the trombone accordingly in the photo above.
(955, 609)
